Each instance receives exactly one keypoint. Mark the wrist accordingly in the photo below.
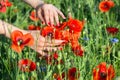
(2, 29)
(39, 4)
(34, 3)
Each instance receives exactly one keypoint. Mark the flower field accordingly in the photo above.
(91, 50)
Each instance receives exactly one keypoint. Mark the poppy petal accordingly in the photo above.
(15, 34)
(28, 39)
(16, 48)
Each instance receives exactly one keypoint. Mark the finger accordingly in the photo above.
(56, 18)
(48, 49)
(58, 42)
(45, 44)
(46, 16)
(60, 13)
(48, 44)
(42, 53)
(51, 18)
(41, 16)
(53, 43)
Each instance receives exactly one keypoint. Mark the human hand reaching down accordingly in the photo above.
(49, 14)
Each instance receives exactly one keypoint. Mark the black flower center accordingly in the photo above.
(50, 34)
(0, 5)
(19, 41)
(72, 74)
(106, 6)
(103, 74)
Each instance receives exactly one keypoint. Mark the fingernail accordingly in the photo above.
(51, 24)
(64, 17)
(48, 23)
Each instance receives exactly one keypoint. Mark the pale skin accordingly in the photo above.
(48, 14)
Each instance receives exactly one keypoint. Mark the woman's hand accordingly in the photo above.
(41, 45)
(48, 14)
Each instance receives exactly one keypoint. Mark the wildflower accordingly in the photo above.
(33, 16)
(75, 25)
(105, 6)
(32, 27)
(86, 38)
(61, 26)
(2, 6)
(8, 4)
(66, 35)
(43, 68)
(112, 30)
(58, 34)
(114, 40)
(73, 74)
(74, 36)
(55, 56)
(26, 65)
(47, 31)
(19, 40)
(78, 51)
(103, 72)
(74, 43)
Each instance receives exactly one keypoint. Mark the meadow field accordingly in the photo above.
(91, 53)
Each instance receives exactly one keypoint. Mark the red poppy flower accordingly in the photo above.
(66, 35)
(102, 72)
(105, 6)
(73, 74)
(19, 40)
(111, 72)
(78, 51)
(48, 31)
(33, 16)
(58, 34)
(61, 26)
(61, 35)
(112, 30)
(55, 56)
(74, 43)
(75, 25)
(2, 6)
(8, 4)
(74, 36)
(26, 65)
(32, 27)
